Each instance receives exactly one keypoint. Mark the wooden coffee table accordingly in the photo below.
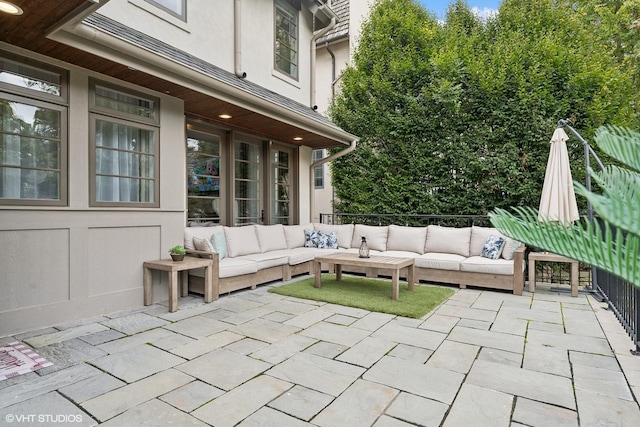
(374, 262)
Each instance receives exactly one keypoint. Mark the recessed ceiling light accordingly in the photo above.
(298, 138)
(224, 116)
(10, 8)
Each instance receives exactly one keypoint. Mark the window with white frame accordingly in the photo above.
(318, 171)
(286, 38)
(33, 133)
(177, 8)
(124, 145)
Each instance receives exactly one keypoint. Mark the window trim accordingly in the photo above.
(182, 17)
(64, 147)
(282, 4)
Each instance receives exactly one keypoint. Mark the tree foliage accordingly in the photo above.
(456, 117)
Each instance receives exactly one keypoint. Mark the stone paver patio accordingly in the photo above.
(253, 358)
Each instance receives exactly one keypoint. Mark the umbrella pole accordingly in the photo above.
(587, 152)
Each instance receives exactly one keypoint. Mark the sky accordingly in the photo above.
(481, 7)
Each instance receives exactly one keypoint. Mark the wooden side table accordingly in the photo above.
(546, 256)
(173, 267)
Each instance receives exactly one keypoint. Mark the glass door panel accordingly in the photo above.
(280, 187)
(248, 208)
(204, 178)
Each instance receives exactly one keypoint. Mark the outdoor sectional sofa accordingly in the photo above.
(247, 256)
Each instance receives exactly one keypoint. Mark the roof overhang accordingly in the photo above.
(69, 31)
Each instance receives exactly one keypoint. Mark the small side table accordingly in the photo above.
(173, 267)
(546, 256)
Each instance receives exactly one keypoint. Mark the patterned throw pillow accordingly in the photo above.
(311, 238)
(220, 245)
(327, 240)
(493, 247)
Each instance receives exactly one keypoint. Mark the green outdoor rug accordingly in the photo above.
(368, 294)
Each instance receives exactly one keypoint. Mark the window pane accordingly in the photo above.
(30, 151)
(118, 189)
(203, 184)
(124, 102)
(286, 40)
(125, 163)
(176, 6)
(204, 209)
(28, 77)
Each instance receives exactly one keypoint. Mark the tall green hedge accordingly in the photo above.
(456, 117)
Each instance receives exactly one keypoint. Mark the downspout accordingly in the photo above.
(332, 157)
(333, 70)
(316, 35)
(237, 39)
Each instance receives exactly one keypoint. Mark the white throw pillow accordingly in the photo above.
(376, 236)
(448, 240)
(271, 237)
(199, 232)
(510, 248)
(411, 239)
(203, 244)
(241, 240)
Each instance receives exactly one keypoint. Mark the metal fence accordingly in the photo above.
(622, 297)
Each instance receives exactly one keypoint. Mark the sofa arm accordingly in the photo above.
(518, 273)
(202, 254)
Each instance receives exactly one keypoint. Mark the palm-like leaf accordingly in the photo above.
(613, 242)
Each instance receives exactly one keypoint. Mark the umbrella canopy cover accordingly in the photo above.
(558, 200)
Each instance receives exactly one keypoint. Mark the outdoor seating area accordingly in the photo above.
(245, 257)
(481, 358)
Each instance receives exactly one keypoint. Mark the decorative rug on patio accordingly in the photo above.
(17, 359)
(368, 294)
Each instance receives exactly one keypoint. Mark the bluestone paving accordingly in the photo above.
(480, 407)
(48, 409)
(258, 358)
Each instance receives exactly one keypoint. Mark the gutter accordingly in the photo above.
(316, 35)
(330, 158)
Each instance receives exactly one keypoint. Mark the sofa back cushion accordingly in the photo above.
(200, 233)
(241, 241)
(479, 237)
(294, 235)
(448, 240)
(271, 237)
(343, 232)
(376, 236)
(411, 239)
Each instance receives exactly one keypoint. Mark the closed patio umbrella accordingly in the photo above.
(558, 200)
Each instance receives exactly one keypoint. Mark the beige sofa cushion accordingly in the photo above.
(271, 237)
(479, 264)
(241, 241)
(440, 261)
(376, 236)
(294, 235)
(343, 232)
(200, 233)
(410, 239)
(448, 240)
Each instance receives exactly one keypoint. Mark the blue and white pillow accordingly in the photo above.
(493, 247)
(320, 239)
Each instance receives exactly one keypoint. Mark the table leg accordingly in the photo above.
(173, 291)
(184, 282)
(411, 271)
(338, 272)
(532, 275)
(208, 284)
(148, 286)
(395, 284)
(575, 278)
(317, 270)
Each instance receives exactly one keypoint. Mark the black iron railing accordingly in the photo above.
(622, 297)
(624, 300)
